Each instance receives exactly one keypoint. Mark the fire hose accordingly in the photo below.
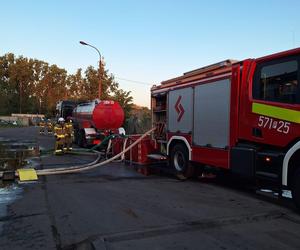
(94, 164)
(88, 164)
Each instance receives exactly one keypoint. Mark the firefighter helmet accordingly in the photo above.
(69, 119)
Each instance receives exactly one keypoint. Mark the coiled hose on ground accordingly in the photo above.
(88, 166)
(76, 169)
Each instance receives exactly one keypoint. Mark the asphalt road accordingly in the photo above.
(115, 207)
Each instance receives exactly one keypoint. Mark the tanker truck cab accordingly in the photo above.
(239, 116)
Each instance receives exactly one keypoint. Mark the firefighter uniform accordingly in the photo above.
(42, 126)
(59, 133)
(69, 134)
(49, 127)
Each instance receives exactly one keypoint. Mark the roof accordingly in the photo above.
(198, 74)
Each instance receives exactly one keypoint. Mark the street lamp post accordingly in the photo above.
(100, 67)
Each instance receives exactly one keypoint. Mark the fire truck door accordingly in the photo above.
(270, 112)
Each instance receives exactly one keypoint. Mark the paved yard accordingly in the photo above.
(115, 207)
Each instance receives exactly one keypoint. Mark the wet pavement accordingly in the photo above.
(115, 207)
(9, 192)
(16, 154)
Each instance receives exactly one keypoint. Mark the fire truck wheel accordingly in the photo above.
(180, 161)
(296, 188)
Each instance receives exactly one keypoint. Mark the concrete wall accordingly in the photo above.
(28, 119)
(23, 119)
(20, 121)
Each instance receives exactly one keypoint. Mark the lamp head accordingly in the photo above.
(83, 43)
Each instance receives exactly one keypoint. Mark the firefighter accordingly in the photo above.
(69, 134)
(59, 133)
(49, 127)
(42, 126)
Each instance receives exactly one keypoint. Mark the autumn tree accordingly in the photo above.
(33, 86)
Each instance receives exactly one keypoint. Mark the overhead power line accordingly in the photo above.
(128, 80)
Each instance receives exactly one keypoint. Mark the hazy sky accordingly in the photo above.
(147, 41)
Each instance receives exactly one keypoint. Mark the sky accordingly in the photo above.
(147, 41)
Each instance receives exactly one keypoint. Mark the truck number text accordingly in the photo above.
(269, 123)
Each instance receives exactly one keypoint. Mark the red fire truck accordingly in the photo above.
(240, 116)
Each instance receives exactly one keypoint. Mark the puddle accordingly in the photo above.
(8, 194)
(16, 154)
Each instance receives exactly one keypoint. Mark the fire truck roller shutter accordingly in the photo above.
(180, 110)
(211, 115)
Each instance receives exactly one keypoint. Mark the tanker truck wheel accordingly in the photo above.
(76, 139)
(296, 188)
(179, 161)
(81, 139)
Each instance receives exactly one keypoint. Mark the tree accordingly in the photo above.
(8, 88)
(33, 86)
(139, 120)
(75, 85)
(110, 89)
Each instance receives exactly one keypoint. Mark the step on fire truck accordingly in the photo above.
(239, 116)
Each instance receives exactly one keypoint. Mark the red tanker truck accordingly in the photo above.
(95, 119)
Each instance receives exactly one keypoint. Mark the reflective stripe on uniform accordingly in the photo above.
(276, 112)
(59, 132)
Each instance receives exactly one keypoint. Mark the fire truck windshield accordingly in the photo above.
(277, 81)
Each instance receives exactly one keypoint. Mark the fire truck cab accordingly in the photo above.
(240, 116)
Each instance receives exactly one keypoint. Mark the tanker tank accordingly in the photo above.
(103, 115)
(108, 115)
(95, 117)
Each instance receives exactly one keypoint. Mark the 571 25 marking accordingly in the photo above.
(270, 123)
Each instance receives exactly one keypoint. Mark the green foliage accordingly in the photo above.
(139, 120)
(34, 86)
